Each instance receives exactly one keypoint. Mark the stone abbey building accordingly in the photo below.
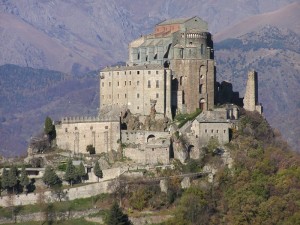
(168, 72)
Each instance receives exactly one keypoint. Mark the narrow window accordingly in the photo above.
(138, 72)
(109, 84)
(118, 83)
(117, 73)
(149, 72)
(129, 72)
(66, 130)
(157, 95)
(157, 84)
(149, 84)
(125, 95)
(205, 130)
(125, 83)
(118, 96)
(224, 131)
(212, 131)
(129, 82)
(138, 95)
(138, 82)
(102, 84)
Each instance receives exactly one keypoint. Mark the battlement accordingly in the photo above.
(82, 119)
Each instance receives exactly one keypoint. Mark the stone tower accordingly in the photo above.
(186, 48)
(251, 94)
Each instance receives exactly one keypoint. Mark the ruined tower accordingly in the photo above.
(251, 94)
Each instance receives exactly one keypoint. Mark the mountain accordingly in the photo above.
(286, 17)
(28, 95)
(77, 36)
(275, 54)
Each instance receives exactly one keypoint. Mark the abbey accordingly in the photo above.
(169, 72)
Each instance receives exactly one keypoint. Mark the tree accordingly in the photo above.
(50, 178)
(12, 178)
(81, 171)
(24, 180)
(90, 149)
(49, 128)
(116, 216)
(70, 175)
(5, 182)
(97, 170)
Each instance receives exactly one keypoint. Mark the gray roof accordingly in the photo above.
(174, 21)
(216, 116)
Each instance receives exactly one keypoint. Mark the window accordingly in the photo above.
(156, 72)
(102, 84)
(157, 84)
(118, 96)
(149, 84)
(125, 95)
(224, 131)
(138, 82)
(129, 82)
(118, 83)
(76, 128)
(191, 43)
(138, 95)
(117, 73)
(157, 95)
(200, 88)
(125, 83)
(129, 72)
(106, 127)
(217, 131)
(138, 72)
(205, 130)
(149, 72)
(212, 131)
(109, 84)
(66, 130)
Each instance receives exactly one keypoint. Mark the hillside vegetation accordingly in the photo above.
(262, 187)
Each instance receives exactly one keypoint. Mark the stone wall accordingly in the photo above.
(134, 87)
(75, 135)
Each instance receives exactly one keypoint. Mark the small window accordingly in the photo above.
(157, 95)
(217, 131)
(138, 72)
(129, 82)
(149, 84)
(205, 130)
(118, 83)
(138, 107)
(125, 95)
(102, 84)
(109, 84)
(125, 83)
(138, 95)
(149, 72)
(76, 128)
(106, 127)
(157, 84)
(125, 72)
(212, 131)
(152, 149)
(224, 131)
(156, 72)
(129, 72)
(138, 82)
(191, 43)
(66, 130)
(118, 96)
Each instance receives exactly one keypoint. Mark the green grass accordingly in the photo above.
(183, 118)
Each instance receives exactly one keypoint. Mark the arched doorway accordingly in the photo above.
(202, 103)
(151, 137)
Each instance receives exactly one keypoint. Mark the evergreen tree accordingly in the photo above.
(50, 178)
(70, 175)
(116, 216)
(49, 128)
(12, 178)
(81, 171)
(24, 180)
(98, 171)
(5, 182)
